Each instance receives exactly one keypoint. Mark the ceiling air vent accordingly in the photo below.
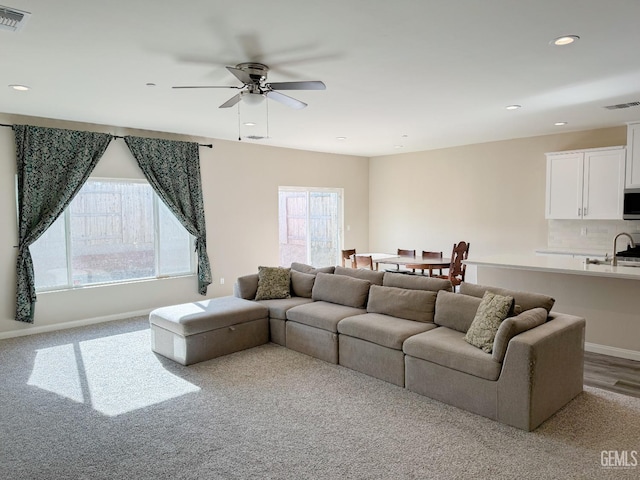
(12, 19)
(622, 105)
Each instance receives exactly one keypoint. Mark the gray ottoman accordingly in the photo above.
(194, 332)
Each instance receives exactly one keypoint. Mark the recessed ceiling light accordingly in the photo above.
(249, 124)
(565, 40)
(513, 107)
(559, 124)
(341, 138)
(20, 88)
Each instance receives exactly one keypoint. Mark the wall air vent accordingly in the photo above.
(12, 19)
(622, 105)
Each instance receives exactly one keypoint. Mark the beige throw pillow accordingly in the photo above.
(273, 283)
(493, 309)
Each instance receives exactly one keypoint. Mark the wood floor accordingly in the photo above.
(612, 373)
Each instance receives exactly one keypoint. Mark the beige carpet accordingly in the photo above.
(95, 403)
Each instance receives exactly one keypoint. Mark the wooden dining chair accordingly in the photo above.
(363, 261)
(426, 254)
(405, 253)
(457, 269)
(347, 255)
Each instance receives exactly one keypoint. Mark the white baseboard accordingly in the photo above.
(34, 329)
(612, 351)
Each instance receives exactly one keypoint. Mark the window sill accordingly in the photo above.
(114, 284)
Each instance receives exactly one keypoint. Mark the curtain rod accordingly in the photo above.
(208, 145)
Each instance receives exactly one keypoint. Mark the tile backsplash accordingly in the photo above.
(588, 234)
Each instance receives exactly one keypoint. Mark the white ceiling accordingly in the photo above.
(439, 72)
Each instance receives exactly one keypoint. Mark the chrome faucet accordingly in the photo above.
(614, 261)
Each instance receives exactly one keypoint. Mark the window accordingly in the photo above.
(310, 225)
(113, 231)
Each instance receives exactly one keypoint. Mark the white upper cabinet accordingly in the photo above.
(633, 155)
(585, 184)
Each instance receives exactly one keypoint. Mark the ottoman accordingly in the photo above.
(194, 332)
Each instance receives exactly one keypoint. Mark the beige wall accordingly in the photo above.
(491, 195)
(240, 189)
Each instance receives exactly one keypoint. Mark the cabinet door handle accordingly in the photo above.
(579, 212)
(584, 212)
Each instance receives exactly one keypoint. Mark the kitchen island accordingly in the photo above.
(608, 297)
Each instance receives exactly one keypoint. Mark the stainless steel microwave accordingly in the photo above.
(631, 210)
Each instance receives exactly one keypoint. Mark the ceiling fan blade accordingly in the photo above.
(286, 100)
(231, 102)
(310, 85)
(241, 75)
(206, 86)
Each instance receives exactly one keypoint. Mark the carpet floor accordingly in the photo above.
(96, 403)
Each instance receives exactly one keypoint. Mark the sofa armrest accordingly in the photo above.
(542, 371)
(246, 286)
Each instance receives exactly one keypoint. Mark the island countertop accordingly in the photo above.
(555, 264)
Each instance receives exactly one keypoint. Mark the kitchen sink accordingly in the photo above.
(621, 263)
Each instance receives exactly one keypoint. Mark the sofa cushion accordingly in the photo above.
(416, 282)
(513, 326)
(302, 283)
(525, 300)
(447, 347)
(374, 277)
(455, 310)
(193, 318)
(324, 315)
(273, 282)
(418, 305)
(278, 307)
(390, 332)
(304, 268)
(348, 291)
(246, 286)
(492, 311)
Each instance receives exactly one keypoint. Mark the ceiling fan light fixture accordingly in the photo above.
(252, 98)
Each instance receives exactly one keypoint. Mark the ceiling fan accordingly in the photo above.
(255, 87)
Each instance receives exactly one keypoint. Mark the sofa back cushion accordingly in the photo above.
(304, 268)
(416, 282)
(374, 277)
(524, 300)
(418, 305)
(455, 310)
(513, 326)
(340, 289)
(302, 284)
(246, 286)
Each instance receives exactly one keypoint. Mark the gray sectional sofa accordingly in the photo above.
(410, 331)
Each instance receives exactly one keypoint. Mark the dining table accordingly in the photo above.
(418, 262)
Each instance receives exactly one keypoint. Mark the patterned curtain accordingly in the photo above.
(52, 165)
(173, 170)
